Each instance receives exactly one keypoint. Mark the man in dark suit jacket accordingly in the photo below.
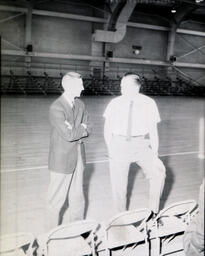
(69, 125)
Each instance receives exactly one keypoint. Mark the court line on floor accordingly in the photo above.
(94, 162)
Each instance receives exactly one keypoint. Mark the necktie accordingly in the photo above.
(129, 123)
(73, 106)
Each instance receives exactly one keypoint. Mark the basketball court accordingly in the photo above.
(163, 43)
(24, 149)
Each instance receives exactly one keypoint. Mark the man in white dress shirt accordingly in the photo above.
(128, 119)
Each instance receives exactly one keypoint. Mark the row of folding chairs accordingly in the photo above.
(124, 234)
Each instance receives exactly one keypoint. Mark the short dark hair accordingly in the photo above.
(73, 74)
(136, 77)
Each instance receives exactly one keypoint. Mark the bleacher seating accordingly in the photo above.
(6, 84)
(34, 84)
(16, 84)
(52, 85)
(45, 84)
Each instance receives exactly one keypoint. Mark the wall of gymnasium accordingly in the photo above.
(66, 36)
(185, 44)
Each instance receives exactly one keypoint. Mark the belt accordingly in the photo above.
(137, 136)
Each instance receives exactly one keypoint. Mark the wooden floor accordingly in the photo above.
(24, 152)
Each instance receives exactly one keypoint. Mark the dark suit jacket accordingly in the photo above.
(64, 141)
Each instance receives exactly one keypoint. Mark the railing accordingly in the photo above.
(46, 85)
(187, 78)
(52, 85)
(83, 67)
(16, 83)
(35, 83)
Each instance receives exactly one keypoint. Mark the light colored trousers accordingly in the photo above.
(122, 153)
(68, 187)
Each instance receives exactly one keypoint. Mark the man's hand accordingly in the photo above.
(84, 125)
(68, 125)
(154, 138)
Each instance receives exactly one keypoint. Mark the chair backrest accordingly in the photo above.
(126, 228)
(130, 217)
(13, 243)
(72, 229)
(68, 238)
(177, 209)
(170, 222)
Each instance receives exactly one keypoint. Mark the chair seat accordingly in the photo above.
(9, 242)
(124, 235)
(73, 247)
(19, 252)
(120, 236)
(169, 231)
(170, 226)
(174, 245)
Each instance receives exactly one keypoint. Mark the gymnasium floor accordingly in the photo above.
(24, 152)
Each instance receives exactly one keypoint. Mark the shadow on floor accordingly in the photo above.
(169, 181)
(86, 185)
(133, 173)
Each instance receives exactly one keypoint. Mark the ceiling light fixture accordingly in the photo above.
(136, 49)
(173, 10)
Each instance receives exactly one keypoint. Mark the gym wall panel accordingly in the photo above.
(187, 43)
(55, 35)
(12, 30)
(66, 36)
(197, 74)
(153, 44)
(188, 24)
(73, 8)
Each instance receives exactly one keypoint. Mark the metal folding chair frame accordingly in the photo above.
(120, 220)
(75, 229)
(27, 239)
(179, 212)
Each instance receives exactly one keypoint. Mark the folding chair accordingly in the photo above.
(126, 229)
(17, 244)
(169, 224)
(67, 240)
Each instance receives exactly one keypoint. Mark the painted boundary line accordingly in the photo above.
(93, 162)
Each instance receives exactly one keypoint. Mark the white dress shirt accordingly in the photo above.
(70, 101)
(144, 114)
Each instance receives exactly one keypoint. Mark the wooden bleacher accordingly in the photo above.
(47, 85)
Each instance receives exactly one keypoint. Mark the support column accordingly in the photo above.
(28, 39)
(28, 34)
(97, 49)
(171, 41)
(0, 62)
(170, 51)
(175, 23)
